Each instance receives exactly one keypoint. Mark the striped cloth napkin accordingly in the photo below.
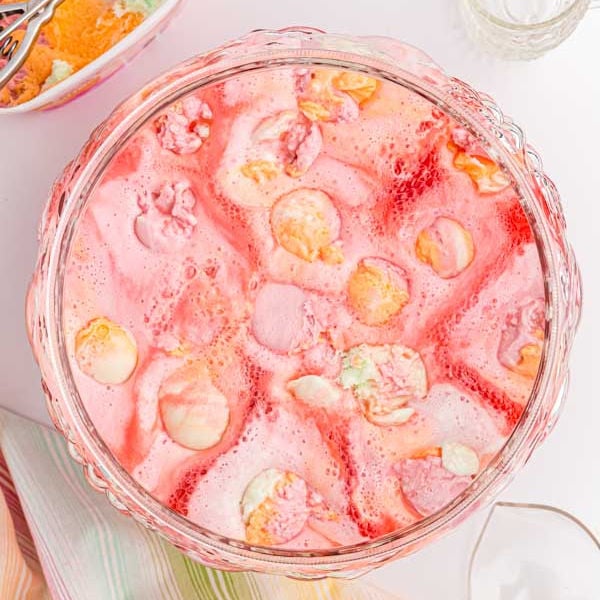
(60, 539)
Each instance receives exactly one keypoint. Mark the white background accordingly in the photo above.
(556, 99)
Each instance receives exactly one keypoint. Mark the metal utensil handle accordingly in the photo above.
(30, 9)
(13, 7)
(40, 17)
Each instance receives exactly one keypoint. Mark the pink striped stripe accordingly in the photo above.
(22, 532)
(35, 552)
(20, 579)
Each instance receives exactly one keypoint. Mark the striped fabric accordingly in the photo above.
(88, 551)
(20, 577)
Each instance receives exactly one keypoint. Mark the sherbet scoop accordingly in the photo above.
(13, 52)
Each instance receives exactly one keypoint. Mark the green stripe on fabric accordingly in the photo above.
(91, 552)
(125, 552)
(217, 579)
(162, 561)
(202, 577)
(243, 583)
(28, 486)
(198, 572)
(252, 581)
(186, 582)
(230, 580)
(215, 583)
(99, 535)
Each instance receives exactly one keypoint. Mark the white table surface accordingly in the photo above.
(556, 99)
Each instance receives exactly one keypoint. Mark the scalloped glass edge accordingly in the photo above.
(480, 108)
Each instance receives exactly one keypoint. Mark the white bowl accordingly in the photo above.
(102, 67)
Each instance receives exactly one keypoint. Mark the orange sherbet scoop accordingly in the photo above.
(80, 32)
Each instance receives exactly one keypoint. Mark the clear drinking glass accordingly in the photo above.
(388, 60)
(522, 29)
(534, 552)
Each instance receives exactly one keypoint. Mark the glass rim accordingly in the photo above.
(525, 507)
(132, 495)
(525, 27)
